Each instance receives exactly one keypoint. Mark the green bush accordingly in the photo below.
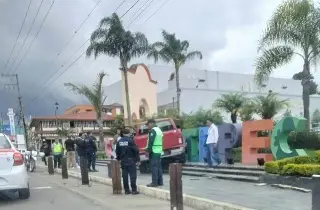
(101, 155)
(271, 167)
(300, 169)
(237, 154)
(295, 166)
(304, 140)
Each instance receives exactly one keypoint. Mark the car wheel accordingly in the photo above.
(24, 193)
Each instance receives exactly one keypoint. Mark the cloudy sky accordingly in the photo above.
(225, 31)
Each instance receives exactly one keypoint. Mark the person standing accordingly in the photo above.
(70, 147)
(46, 150)
(154, 150)
(81, 150)
(213, 158)
(128, 153)
(91, 150)
(116, 138)
(57, 151)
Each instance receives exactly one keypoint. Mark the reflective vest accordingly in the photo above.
(57, 148)
(157, 144)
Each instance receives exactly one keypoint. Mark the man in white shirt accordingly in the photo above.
(213, 158)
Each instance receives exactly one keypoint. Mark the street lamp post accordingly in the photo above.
(55, 113)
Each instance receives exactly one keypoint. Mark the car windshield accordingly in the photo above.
(163, 125)
(4, 143)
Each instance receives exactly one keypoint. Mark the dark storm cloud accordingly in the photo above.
(204, 23)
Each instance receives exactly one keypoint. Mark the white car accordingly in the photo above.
(13, 173)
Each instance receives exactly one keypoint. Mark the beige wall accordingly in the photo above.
(140, 87)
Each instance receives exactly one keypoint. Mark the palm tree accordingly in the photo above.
(231, 103)
(111, 39)
(293, 30)
(268, 106)
(175, 51)
(95, 96)
(247, 111)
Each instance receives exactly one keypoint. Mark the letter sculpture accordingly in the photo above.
(279, 140)
(251, 142)
(229, 137)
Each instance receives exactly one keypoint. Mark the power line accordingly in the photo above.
(119, 6)
(34, 38)
(75, 33)
(15, 43)
(48, 84)
(129, 9)
(156, 11)
(24, 41)
(142, 8)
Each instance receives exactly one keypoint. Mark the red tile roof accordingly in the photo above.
(85, 116)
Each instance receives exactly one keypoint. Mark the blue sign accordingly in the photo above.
(6, 129)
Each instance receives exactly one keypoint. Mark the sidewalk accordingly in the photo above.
(102, 194)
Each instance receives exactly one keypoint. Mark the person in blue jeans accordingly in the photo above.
(154, 150)
(213, 158)
(91, 150)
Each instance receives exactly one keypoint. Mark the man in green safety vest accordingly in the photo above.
(154, 150)
(57, 152)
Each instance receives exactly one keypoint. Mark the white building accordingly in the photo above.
(200, 88)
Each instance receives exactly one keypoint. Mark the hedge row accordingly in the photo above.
(304, 140)
(295, 166)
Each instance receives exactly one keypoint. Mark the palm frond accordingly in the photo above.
(268, 106)
(269, 60)
(192, 55)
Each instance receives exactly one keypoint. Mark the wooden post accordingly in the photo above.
(50, 165)
(64, 168)
(84, 170)
(316, 193)
(116, 177)
(176, 195)
(109, 169)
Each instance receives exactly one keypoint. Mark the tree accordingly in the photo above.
(287, 113)
(111, 39)
(247, 110)
(315, 118)
(293, 30)
(199, 118)
(313, 86)
(118, 123)
(231, 103)
(175, 51)
(268, 106)
(95, 96)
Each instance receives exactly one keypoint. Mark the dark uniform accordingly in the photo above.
(91, 149)
(128, 153)
(81, 150)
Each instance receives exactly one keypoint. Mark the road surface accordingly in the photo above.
(51, 192)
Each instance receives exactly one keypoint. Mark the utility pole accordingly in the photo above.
(20, 103)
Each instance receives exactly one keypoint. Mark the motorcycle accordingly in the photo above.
(30, 160)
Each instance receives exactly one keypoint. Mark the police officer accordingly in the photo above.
(154, 150)
(128, 153)
(91, 149)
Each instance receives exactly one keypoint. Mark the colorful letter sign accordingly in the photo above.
(279, 143)
(251, 142)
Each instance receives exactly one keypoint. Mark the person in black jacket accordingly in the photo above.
(46, 150)
(128, 153)
(81, 150)
(91, 149)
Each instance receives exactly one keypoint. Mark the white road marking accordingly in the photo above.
(41, 188)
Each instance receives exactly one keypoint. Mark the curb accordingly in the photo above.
(188, 200)
(288, 187)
